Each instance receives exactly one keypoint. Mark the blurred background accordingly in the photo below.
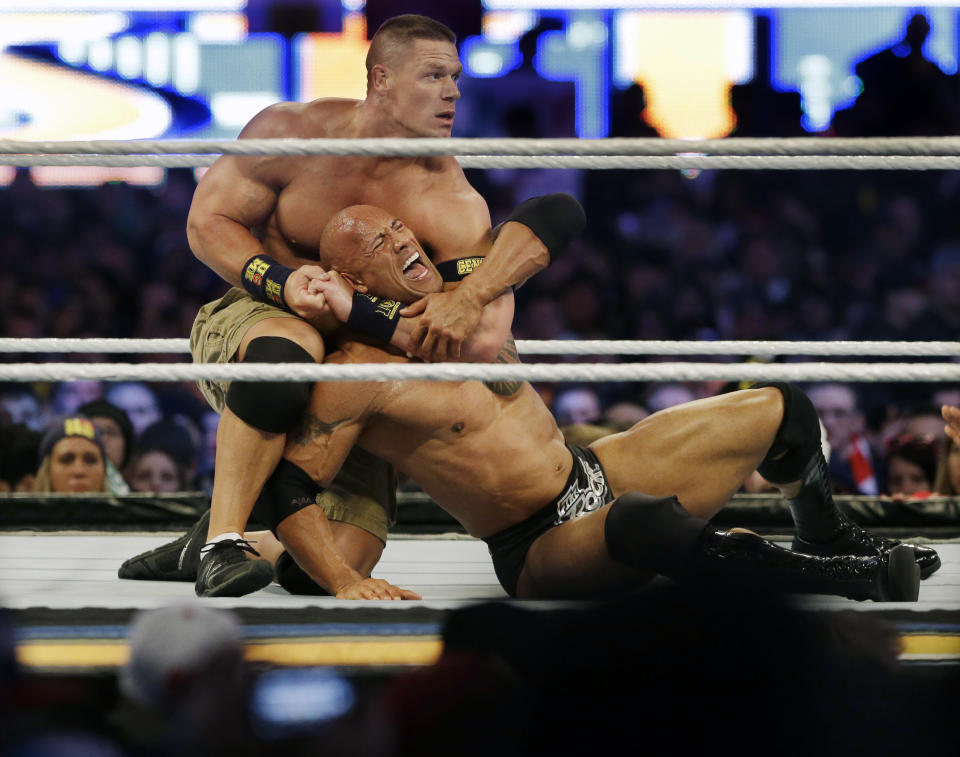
(706, 255)
(667, 254)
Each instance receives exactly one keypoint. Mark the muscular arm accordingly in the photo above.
(232, 198)
(539, 227)
(516, 254)
(239, 194)
(319, 446)
(484, 344)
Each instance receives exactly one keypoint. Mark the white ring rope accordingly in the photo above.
(405, 146)
(601, 162)
(546, 372)
(546, 347)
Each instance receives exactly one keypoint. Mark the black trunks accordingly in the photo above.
(586, 490)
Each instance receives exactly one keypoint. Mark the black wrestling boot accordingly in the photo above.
(225, 571)
(751, 560)
(824, 531)
(174, 561)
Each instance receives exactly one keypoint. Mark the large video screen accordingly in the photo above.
(147, 69)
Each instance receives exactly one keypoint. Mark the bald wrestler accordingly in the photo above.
(257, 221)
(564, 521)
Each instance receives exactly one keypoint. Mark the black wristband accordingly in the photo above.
(264, 278)
(374, 316)
(459, 269)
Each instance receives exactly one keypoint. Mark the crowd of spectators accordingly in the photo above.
(667, 255)
(697, 255)
(701, 255)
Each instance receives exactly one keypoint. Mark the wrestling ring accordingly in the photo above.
(73, 612)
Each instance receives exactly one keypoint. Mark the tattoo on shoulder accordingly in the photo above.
(311, 428)
(507, 355)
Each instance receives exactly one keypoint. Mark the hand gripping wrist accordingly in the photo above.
(264, 278)
(374, 316)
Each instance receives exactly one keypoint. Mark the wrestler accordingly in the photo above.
(256, 221)
(565, 521)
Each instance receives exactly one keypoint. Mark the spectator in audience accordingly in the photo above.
(911, 465)
(117, 434)
(185, 683)
(164, 459)
(622, 415)
(72, 457)
(853, 461)
(19, 450)
(156, 470)
(22, 406)
(924, 422)
(578, 405)
(68, 396)
(663, 396)
(138, 401)
(903, 93)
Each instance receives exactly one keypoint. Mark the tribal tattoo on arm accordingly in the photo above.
(311, 428)
(507, 355)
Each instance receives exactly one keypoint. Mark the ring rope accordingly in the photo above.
(546, 347)
(602, 162)
(544, 372)
(404, 146)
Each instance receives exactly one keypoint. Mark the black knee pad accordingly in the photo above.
(556, 219)
(272, 406)
(797, 439)
(294, 579)
(288, 490)
(652, 533)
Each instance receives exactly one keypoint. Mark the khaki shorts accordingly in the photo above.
(364, 491)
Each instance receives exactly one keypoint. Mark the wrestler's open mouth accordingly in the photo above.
(447, 115)
(413, 269)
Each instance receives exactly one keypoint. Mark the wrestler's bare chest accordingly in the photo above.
(448, 216)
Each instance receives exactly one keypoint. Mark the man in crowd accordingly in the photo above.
(854, 464)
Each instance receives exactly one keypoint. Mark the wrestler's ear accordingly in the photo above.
(354, 281)
(380, 77)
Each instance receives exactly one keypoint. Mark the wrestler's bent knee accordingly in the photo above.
(271, 406)
(652, 533)
(797, 438)
(287, 491)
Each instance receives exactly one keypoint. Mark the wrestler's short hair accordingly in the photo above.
(402, 30)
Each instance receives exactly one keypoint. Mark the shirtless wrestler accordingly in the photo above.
(257, 221)
(562, 521)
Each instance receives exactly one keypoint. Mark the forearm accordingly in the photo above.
(516, 255)
(483, 345)
(308, 538)
(222, 245)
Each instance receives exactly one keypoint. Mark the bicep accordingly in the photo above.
(237, 189)
(232, 190)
